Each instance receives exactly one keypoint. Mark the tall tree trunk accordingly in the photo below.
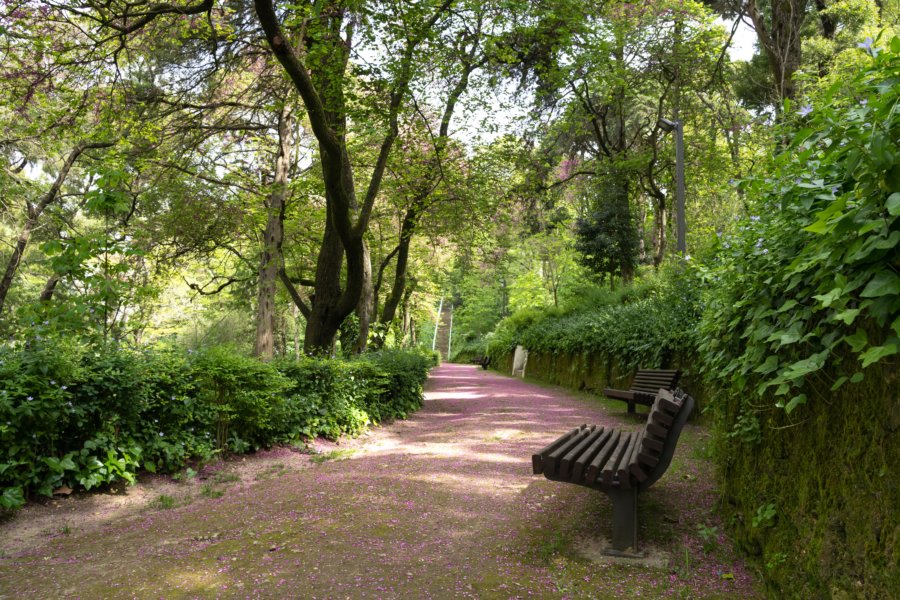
(49, 288)
(271, 259)
(365, 308)
(321, 87)
(407, 229)
(779, 38)
(34, 213)
(659, 233)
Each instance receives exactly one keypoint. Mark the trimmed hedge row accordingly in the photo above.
(646, 330)
(84, 416)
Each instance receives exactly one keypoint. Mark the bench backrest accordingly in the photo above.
(651, 380)
(668, 416)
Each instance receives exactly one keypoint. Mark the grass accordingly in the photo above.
(226, 477)
(342, 454)
(210, 491)
(276, 470)
(165, 502)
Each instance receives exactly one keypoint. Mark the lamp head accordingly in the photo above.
(666, 125)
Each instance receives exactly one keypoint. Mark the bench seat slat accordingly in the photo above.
(551, 461)
(623, 474)
(612, 466)
(565, 465)
(603, 456)
(618, 394)
(537, 458)
(588, 455)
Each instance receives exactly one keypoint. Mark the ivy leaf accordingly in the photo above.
(858, 340)
(876, 353)
(847, 316)
(857, 377)
(884, 283)
(788, 305)
(795, 402)
(841, 381)
(829, 298)
(804, 367)
(12, 497)
(767, 367)
(893, 204)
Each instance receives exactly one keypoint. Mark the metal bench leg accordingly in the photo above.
(630, 406)
(624, 526)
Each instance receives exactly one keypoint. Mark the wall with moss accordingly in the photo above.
(814, 498)
(593, 372)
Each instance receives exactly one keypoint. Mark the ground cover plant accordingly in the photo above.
(80, 416)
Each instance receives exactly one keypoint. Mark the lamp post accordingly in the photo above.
(676, 126)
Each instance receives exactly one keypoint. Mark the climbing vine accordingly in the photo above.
(807, 292)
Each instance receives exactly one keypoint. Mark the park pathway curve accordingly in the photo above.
(442, 505)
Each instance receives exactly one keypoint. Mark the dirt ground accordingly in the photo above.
(442, 505)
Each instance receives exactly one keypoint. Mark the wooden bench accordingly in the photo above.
(643, 388)
(620, 464)
(484, 361)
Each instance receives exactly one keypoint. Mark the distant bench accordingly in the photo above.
(484, 361)
(644, 387)
(619, 463)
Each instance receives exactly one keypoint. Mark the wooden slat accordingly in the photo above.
(600, 460)
(565, 465)
(634, 466)
(622, 468)
(551, 461)
(651, 460)
(588, 455)
(657, 430)
(618, 456)
(652, 443)
(537, 459)
(618, 394)
(661, 418)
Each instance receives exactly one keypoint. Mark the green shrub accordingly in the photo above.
(84, 416)
(800, 338)
(651, 320)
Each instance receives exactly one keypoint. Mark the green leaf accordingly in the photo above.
(841, 381)
(829, 298)
(817, 227)
(847, 316)
(788, 305)
(12, 497)
(857, 377)
(858, 340)
(804, 367)
(884, 283)
(795, 402)
(767, 367)
(876, 353)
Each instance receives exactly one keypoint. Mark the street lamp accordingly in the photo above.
(676, 126)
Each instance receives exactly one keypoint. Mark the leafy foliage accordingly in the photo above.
(814, 278)
(85, 416)
(641, 326)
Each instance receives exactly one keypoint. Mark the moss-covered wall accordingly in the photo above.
(813, 498)
(593, 372)
(832, 477)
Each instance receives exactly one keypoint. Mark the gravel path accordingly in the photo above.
(442, 505)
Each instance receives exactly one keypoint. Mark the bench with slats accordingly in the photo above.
(643, 388)
(619, 463)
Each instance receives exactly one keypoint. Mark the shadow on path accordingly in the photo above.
(442, 505)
